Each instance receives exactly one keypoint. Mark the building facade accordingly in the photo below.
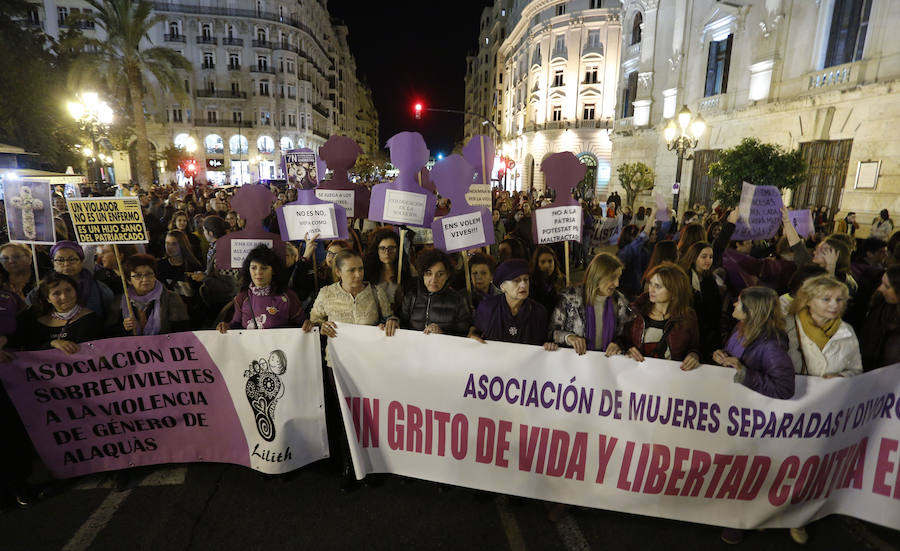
(818, 75)
(267, 76)
(556, 74)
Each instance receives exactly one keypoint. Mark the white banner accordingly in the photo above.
(610, 433)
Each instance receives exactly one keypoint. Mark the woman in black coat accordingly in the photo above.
(434, 307)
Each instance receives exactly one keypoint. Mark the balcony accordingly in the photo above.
(710, 103)
(225, 124)
(284, 46)
(232, 41)
(174, 38)
(208, 66)
(226, 94)
(234, 66)
(632, 51)
(263, 44)
(321, 133)
(262, 69)
(320, 109)
(834, 77)
(207, 40)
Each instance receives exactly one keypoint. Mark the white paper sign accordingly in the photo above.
(404, 207)
(479, 195)
(558, 224)
(301, 220)
(343, 197)
(463, 231)
(240, 248)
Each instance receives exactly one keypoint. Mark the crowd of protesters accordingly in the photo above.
(681, 289)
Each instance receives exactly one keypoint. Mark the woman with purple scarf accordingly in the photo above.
(264, 301)
(591, 316)
(155, 310)
(511, 316)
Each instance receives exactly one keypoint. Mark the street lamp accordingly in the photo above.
(93, 114)
(682, 137)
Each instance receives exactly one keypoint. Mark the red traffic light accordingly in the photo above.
(418, 110)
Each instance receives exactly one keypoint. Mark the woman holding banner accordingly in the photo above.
(264, 301)
(434, 307)
(666, 325)
(154, 310)
(512, 316)
(62, 322)
(592, 316)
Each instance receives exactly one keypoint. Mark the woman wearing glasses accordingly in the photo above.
(381, 266)
(154, 309)
(68, 259)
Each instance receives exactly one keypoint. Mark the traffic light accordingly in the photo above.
(189, 167)
(418, 109)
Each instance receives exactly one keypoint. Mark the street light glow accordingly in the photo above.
(671, 130)
(87, 151)
(684, 117)
(76, 109)
(698, 127)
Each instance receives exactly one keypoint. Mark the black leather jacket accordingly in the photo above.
(447, 308)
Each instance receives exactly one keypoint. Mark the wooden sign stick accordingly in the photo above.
(37, 276)
(400, 255)
(125, 288)
(465, 255)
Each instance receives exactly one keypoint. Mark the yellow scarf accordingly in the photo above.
(819, 335)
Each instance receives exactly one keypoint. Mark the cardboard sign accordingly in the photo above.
(479, 195)
(404, 207)
(300, 168)
(240, 248)
(252, 203)
(760, 209)
(555, 224)
(662, 210)
(29, 212)
(301, 220)
(463, 232)
(802, 221)
(342, 197)
(108, 220)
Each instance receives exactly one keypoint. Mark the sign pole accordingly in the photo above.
(484, 177)
(566, 249)
(400, 255)
(125, 287)
(37, 276)
(465, 255)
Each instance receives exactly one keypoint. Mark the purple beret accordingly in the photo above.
(67, 245)
(509, 270)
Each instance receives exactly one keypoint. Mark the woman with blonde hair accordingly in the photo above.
(821, 344)
(593, 315)
(666, 325)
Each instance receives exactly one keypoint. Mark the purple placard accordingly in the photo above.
(562, 219)
(479, 152)
(464, 227)
(29, 212)
(763, 213)
(74, 406)
(252, 203)
(403, 202)
(301, 168)
(340, 153)
(802, 221)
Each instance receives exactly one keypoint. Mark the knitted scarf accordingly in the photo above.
(819, 335)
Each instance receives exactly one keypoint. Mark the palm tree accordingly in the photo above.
(128, 52)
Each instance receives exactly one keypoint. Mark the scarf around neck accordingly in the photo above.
(149, 306)
(819, 335)
(260, 291)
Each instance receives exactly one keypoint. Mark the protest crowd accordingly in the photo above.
(668, 286)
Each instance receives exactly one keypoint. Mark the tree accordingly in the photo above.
(760, 164)
(636, 178)
(364, 167)
(128, 63)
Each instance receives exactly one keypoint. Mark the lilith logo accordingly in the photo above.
(264, 388)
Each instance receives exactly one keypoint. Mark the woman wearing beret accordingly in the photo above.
(511, 316)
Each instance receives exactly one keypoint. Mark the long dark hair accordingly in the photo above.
(664, 251)
(265, 255)
(190, 261)
(372, 263)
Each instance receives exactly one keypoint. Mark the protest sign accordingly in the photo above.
(606, 231)
(29, 212)
(252, 398)
(300, 168)
(553, 224)
(340, 153)
(802, 221)
(403, 201)
(662, 209)
(252, 203)
(107, 220)
(479, 152)
(465, 226)
(613, 434)
(462, 232)
(303, 220)
(760, 209)
(240, 248)
(479, 195)
(343, 197)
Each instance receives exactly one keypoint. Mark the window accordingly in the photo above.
(594, 4)
(557, 113)
(560, 44)
(229, 31)
(211, 87)
(561, 9)
(177, 115)
(265, 118)
(235, 88)
(292, 121)
(263, 63)
(292, 92)
(234, 61)
(629, 94)
(206, 31)
(591, 74)
(588, 113)
(209, 61)
(34, 16)
(290, 66)
(187, 86)
(284, 42)
(717, 67)
(62, 14)
(558, 77)
(174, 28)
(636, 28)
(237, 117)
(264, 88)
(261, 35)
(487, 40)
(211, 116)
(593, 42)
(847, 37)
(283, 118)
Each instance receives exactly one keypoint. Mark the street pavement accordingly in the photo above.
(224, 507)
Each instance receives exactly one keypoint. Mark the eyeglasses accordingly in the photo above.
(73, 260)
(144, 276)
(387, 249)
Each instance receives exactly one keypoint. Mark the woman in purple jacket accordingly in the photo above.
(757, 350)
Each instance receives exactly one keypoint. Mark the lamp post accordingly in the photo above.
(93, 114)
(682, 137)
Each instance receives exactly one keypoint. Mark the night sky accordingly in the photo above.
(412, 51)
